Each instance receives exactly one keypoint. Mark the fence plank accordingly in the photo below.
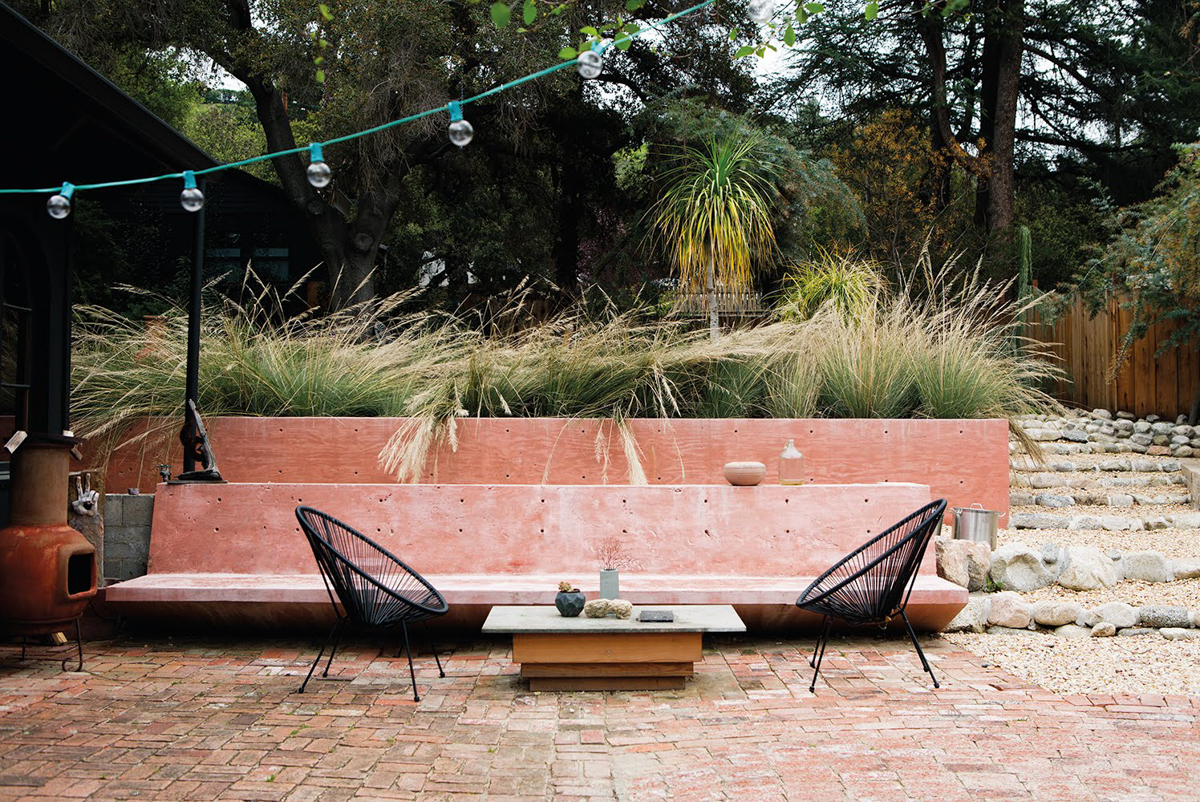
(1144, 385)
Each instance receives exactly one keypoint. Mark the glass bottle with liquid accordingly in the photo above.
(791, 465)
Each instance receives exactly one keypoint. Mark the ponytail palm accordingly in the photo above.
(713, 219)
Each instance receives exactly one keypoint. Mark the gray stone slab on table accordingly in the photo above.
(546, 619)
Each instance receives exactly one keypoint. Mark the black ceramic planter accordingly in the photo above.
(569, 604)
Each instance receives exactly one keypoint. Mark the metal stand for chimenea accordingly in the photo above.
(65, 660)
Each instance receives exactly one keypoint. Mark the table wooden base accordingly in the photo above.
(602, 661)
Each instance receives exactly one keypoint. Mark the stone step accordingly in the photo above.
(1027, 464)
(1045, 481)
(1111, 523)
(1019, 498)
(1121, 447)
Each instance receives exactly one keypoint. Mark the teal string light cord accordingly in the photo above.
(625, 37)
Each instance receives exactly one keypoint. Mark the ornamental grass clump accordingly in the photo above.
(851, 286)
(942, 354)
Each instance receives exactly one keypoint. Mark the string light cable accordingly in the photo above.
(588, 63)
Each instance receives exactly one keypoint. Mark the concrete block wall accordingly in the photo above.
(127, 535)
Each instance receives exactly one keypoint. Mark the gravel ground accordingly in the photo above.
(1171, 542)
(1185, 592)
(1146, 664)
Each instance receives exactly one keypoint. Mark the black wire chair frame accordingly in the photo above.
(376, 589)
(873, 583)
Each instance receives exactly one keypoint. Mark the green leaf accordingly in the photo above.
(588, 30)
(631, 29)
(872, 10)
(500, 14)
(814, 8)
(319, 60)
(789, 36)
(801, 15)
(634, 5)
(323, 43)
(623, 43)
(320, 76)
(529, 13)
(325, 13)
(568, 53)
(744, 50)
(733, 32)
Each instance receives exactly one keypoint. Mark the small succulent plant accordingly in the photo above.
(567, 587)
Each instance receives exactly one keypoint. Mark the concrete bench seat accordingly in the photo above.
(764, 602)
(228, 552)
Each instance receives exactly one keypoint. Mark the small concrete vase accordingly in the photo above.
(610, 583)
(569, 603)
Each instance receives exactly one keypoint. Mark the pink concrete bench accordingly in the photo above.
(235, 551)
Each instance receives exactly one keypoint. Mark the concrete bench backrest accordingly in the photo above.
(530, 529)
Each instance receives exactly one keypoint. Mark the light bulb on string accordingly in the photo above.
(319, 174)
(191, 199)
(590, 64)
(461, 131)
(761, 10)
(59, 206)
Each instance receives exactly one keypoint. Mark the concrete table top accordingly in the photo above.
(545, 619)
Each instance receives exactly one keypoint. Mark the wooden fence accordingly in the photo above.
(1145, 385)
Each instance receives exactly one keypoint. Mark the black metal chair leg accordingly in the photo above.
(324, 645)
(917, 645)
(812, 662)
(433, 648)
(337, 636)
(412, 674)
(78, 650)
(820, 655)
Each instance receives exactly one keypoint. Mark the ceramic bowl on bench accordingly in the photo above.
(745, 474)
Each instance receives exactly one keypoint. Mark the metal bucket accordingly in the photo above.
(977, 524)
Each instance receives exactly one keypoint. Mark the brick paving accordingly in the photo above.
(196, 719)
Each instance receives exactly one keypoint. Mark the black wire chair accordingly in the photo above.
(376, 589)
(872, 584)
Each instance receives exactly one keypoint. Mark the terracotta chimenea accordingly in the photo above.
(47, 569)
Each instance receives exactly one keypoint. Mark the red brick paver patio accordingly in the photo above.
(194, 719)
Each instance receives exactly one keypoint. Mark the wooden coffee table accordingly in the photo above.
(599, 654)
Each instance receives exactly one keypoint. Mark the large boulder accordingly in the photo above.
(1186, 568)
(973, 617)
(1087, 568)
(1147, 566)
(1017, 567)
(1009, 610)
(1119, 614)
(1161, 615)
(952, 561)
(1072, 631)
(1056, 613)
